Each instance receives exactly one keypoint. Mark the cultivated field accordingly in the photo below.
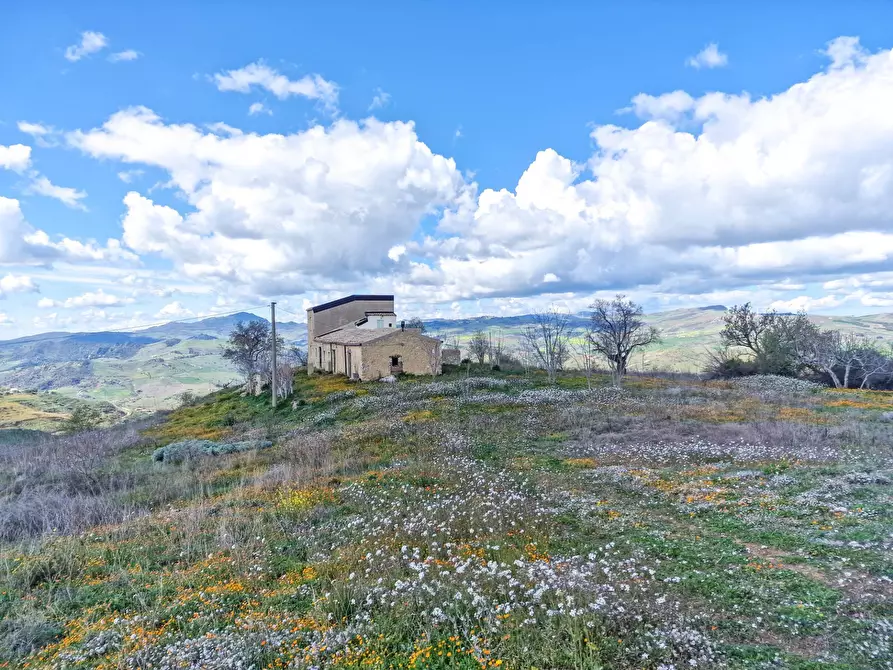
(481, 522)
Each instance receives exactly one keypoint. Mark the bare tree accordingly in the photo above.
(285, 379)
(743, 327)
(526, 355)
(434, 358)
(847, 360)
(773, 340)
(585, 355)
(497, 348)
(546, 340)
(819, 350)
(296, 356)
(478, 346)
(876, 365)
(416, 322)
(248, 348)
(617, 330)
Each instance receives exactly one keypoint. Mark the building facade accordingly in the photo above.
(359, 336)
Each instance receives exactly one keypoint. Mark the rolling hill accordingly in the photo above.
(147, 370)
(144, 370)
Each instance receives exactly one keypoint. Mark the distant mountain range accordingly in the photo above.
(148, 369)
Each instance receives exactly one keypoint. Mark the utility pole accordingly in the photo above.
(273, 322)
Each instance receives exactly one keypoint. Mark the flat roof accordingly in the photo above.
(351, 298)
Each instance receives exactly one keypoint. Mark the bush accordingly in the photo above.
(724, 366)
(21, 636)
(177, 452)
(496, 368)
(83, 418)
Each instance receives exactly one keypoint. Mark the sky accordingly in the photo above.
(161, 161)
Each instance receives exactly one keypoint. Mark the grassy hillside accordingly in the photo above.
(143, 371)
(482, 522)
(688, 334)
(45, 411)
(149, 370)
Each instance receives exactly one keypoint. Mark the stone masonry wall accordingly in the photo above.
(413, 347)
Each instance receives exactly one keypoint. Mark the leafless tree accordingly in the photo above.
(820, 351)
(416, 322)
(617, 330)
(296, 356)
(478, 346)
(744, 327)
(248, 348)
(285, 379)
(847, 360)
(774, 341)
(876, 365)
(526, 355)
(585, 355)
(433, 360)
(497, 347)
(547, 338)
(452, 342)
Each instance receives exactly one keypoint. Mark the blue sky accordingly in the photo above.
(362, 148)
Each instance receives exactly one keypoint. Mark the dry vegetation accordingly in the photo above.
(467, 523)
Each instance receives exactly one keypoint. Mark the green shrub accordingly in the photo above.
(177, 452)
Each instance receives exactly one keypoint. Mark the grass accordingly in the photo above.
(44, 411)
(495, 522)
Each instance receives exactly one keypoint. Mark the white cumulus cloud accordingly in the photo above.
(709, 57)
(16, 157)
(278, 212)
(174, 310)
(124, 56)
(91, 42)
(20, 243)
(261, 75)
(798, 185)
(16, 284)
(259, 108)
(98, 298)
(70, 197)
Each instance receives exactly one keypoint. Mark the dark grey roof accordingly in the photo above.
(350, 298)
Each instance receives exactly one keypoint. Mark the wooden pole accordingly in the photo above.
(273, 322)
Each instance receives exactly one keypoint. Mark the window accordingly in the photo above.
(320, 356)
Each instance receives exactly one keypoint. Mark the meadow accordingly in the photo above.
(479, 521)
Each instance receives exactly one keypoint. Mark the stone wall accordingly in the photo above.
(414, 349)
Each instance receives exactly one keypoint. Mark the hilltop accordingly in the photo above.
(147, 370)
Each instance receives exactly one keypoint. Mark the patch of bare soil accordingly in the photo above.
(778, 556)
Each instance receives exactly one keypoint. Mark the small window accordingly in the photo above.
(395, 361)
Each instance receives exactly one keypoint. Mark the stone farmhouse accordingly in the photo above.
(359, 336)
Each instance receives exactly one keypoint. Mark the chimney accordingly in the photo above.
(403, 325)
